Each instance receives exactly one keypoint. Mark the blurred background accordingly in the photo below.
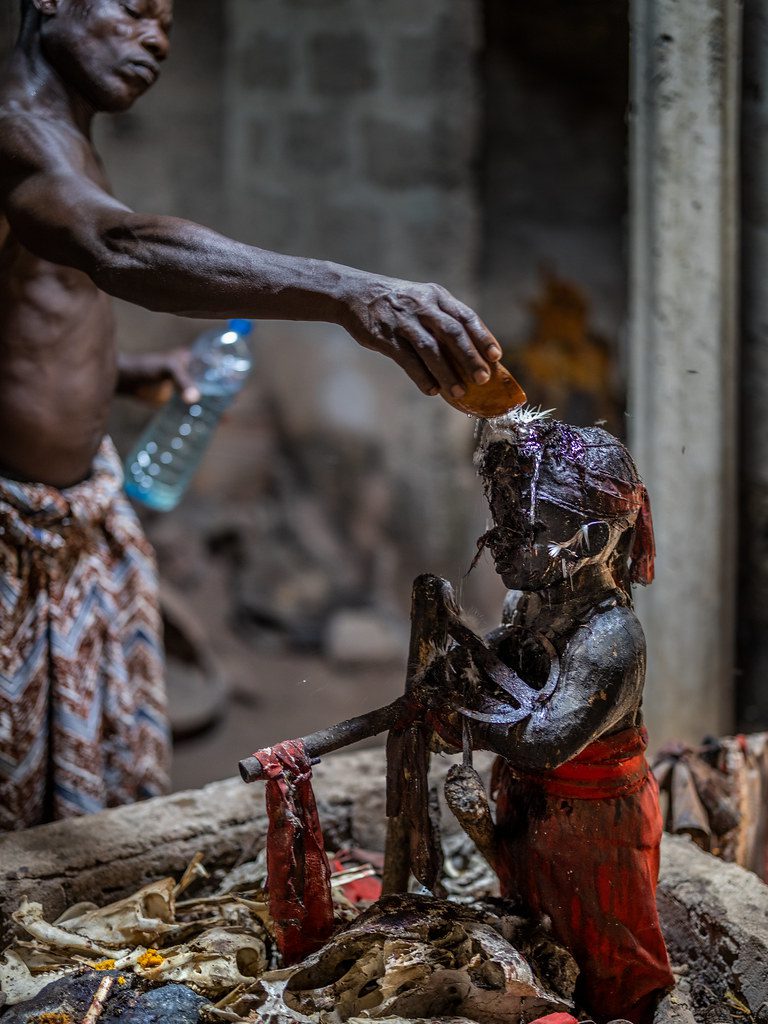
(489, 146)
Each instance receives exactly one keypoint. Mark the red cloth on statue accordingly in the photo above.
(581, 844)
(298, 873)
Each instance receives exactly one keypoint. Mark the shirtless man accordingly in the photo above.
(82, 720)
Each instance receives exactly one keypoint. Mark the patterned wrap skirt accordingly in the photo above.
(83, 720)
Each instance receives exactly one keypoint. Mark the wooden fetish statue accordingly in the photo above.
(577, 818)
(556, 692)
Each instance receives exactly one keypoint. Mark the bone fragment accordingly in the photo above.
(466, 797)
(99, 1000)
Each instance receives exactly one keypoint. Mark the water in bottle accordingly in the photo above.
(160, 467)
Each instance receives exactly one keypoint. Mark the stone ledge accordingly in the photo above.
(109, 855)
(715, 920)
(714, 915)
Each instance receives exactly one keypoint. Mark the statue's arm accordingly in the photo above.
(175, 266)
(600, 686)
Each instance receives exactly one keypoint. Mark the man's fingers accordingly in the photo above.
(182, 378)
(481, 337)
(416, 370)
(426, 347)
(436, 339)
(190, 392)
(455, 340)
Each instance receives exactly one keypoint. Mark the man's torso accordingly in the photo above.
(57, 356)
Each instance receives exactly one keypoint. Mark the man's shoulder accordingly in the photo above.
(31, 141)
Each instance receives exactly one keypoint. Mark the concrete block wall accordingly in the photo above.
(352, 130)
(553, 167)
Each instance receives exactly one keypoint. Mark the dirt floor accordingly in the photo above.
(275, 697)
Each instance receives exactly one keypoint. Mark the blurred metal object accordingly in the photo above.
(718, 794)
(687, 814)
(566, 362)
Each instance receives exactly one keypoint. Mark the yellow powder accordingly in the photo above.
(52, 1018)
(121, 980)
(151, 959)
(104, 965)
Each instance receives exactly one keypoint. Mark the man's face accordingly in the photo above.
(109, 50)
(520, 539)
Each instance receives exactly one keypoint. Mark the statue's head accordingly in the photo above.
(108, 51)
(562, 498)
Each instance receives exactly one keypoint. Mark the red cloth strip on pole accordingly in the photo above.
(298, 873)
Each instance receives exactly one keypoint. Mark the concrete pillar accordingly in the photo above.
(683, 302)
(752, 703)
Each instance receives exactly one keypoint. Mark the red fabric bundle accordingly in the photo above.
(556, 1018)
(364, 890)
(581, 844)
(299, 876)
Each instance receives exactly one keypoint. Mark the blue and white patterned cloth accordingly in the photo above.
(83, 720)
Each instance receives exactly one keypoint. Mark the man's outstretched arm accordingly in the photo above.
(175, 266)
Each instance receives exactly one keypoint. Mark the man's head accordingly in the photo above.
(108, 51)
(562, 498)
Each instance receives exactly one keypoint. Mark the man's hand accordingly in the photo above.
(153, 377)
(437, 340)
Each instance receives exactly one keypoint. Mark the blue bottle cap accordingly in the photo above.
(241, 327)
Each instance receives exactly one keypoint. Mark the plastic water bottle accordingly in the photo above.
(161, 466)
